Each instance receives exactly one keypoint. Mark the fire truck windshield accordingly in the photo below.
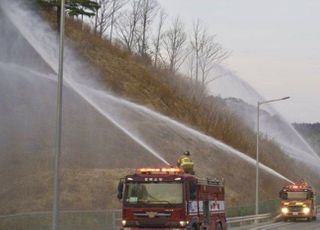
(297, 195)
(154, 193)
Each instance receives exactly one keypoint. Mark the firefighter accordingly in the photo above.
(186, 163)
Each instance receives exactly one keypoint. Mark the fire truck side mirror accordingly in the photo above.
(120, 190)
(310, 195)
(283, 195)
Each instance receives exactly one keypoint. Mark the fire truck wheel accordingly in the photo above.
(285, 219)
(195, 226)
(219, 226)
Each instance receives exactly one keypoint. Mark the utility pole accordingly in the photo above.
(259, 103)
(57, 147)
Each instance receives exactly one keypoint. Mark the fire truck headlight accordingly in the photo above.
(306, 210)
(124, 222)
(285, 210)
(183, 223)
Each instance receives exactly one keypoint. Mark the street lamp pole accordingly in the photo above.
(259, 103)
(57, 151)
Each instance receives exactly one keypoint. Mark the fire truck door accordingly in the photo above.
(206, 212)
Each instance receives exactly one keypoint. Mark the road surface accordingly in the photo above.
(292, 225)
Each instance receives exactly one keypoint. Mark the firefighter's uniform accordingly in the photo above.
(186, 164)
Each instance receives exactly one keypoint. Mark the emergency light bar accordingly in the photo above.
(173, 170)
(142, 170)
(159, 170)
(298, 186)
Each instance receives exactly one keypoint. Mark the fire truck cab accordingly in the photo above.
(298, 201)
(168, 198)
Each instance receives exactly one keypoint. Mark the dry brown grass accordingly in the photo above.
(131, 76)
(82, 189)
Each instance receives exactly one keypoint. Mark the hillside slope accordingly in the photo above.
(311, 132)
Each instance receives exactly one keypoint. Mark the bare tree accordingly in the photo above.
(127, 25)
(190, 66)
(116, 7)
(174, 41)
(211, 54)
(107, 15)
(159, 35)
(149, 9)
(102, 17)
(96, 18)
(196, 42)
(206, 53)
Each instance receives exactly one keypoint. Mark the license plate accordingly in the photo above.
(295, 213)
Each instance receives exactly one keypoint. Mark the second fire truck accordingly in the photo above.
(298, 201)
(168, 198)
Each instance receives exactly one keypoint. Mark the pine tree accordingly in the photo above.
(73, 7)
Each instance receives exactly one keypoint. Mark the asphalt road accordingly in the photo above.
(292, 225)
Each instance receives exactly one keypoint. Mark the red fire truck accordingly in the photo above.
(298, 201)
(168, 198)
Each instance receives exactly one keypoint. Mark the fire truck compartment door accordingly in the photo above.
(206, 212)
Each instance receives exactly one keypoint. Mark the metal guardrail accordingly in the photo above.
(70, 219)
(243, 219)
(115, 217)
(236, 221)
(61, 211)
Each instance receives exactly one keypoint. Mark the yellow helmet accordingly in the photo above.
(187, 153)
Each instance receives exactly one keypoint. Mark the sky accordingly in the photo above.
(274, 44)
